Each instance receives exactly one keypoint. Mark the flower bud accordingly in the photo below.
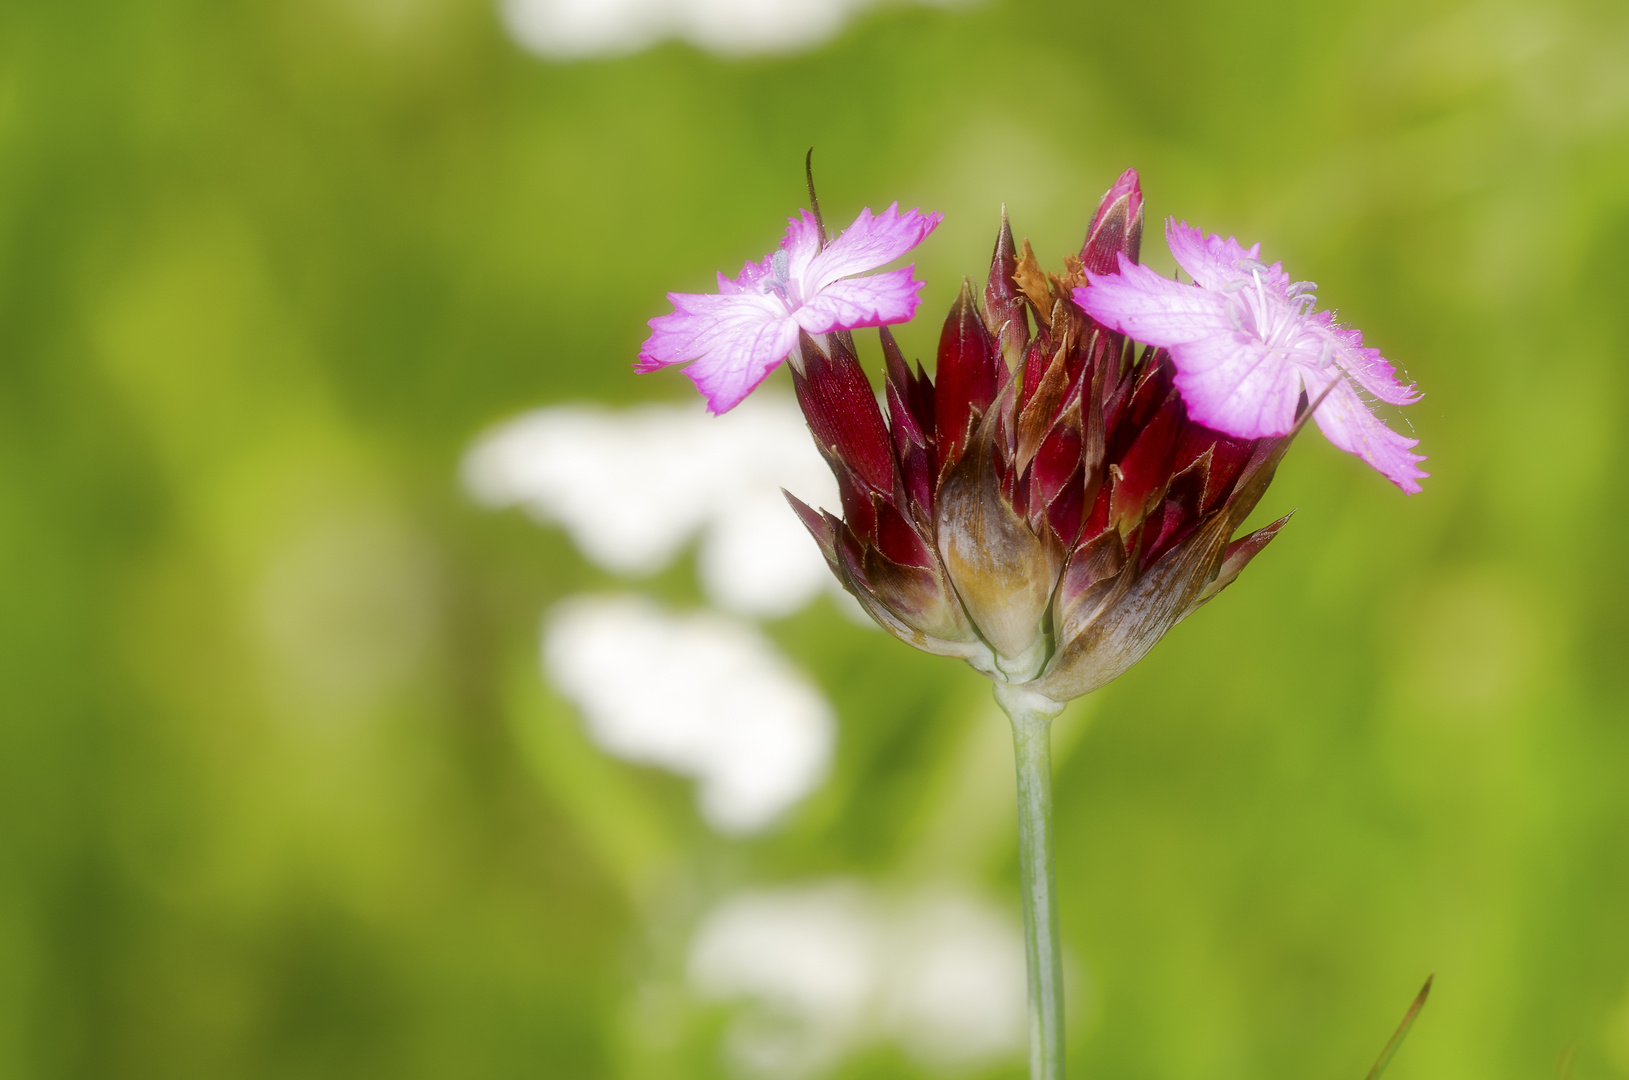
(1117, 227)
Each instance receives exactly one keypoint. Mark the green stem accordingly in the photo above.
(1031, 716)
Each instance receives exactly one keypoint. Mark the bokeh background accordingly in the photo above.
(288, 788)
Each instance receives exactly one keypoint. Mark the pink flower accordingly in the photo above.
(1246, 342)
(733, 339)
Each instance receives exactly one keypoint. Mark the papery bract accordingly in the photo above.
(734, 338)
(1247, 344)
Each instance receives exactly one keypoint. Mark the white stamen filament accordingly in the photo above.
(1277, 321)
(777, 285)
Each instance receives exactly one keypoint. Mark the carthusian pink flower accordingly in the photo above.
(1246, 343)
(1044, 507)
(734, 338)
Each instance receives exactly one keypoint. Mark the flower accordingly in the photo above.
(1047, 509)
(733, 339)
(1247, 343)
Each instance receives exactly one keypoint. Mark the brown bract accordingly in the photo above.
(1044, 509)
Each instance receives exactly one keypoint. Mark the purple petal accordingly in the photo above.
(877, 300)
(1151, 308)
(1233, 384)
(872, 241)
(1211, 261)
(734, 340)
(1346, 420)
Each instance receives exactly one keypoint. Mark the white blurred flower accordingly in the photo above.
(633, 486)
(702, 695)
(567, 29)
(832, 967)
(960, 993)
(810, 959)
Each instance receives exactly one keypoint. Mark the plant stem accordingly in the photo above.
(1031, 716)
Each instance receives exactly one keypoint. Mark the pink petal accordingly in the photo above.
(701, 322)
(876, 300)
(801, 244)
(1211, 261)
(1152, 308)
(872, 241)
(1233, 384)
(747, 281)
(1346, 420)
(735, 341)
(1371, 370)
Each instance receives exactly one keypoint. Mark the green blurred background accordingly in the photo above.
(282, 792)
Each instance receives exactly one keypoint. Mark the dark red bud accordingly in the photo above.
(1150, 388)
(1036, 362)
(1140, 477)
(1044, 409)
(1227, 460)
(841, 409)
(1064, 512)
(897, 539)
(1097, 519)
(1003, 304)
(1117, 227)
(915, 388)
(967, 379)
(859, 511)
(1059, 457)
(1177, 514)
(821, 526)
(915, 458)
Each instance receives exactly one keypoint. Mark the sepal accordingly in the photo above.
(1235, 559)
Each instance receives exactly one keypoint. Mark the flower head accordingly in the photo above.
(1046, 508)
(1056, 498)
(734, 338)
(1246, 343)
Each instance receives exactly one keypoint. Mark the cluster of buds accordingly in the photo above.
(1045, 508)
